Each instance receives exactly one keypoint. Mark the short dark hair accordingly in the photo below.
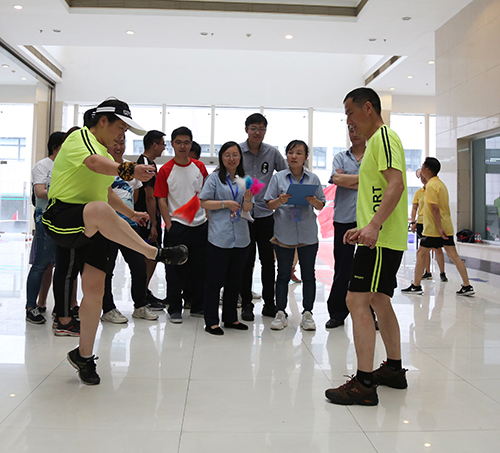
(56, 139)
(256, 118)
(362, 95)
(183, 130)
(196, 148)
(222, 169)
(151, 138)
(432, 164)
(91, 118)
(294, 143)
(70, 131)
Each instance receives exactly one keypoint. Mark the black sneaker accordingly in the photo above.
(85, 367)
(413, 289)
(332, 323)
(466, 291)
(443, 277)
(72, 329)
(34, 316)
(352, 392)
(427, 276)
(41, 309)
(247, 313)
(394, 379)
(150, 297)
(269, 310)
(173, 255)
(156, 306)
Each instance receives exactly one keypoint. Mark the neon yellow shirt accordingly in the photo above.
(437, 193)
(419, 198)
(72, 181)
(383, 150)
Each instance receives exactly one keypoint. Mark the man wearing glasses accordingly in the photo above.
(154, 145)
(260, 161)
(178, 181)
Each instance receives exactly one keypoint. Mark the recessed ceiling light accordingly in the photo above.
(409, 77)
(24, 78)
(55, 30)
(427, 445)
(130, 32)
(18, 7)
(288, 36)
(5, 66)
(431, 62)
(204, 33)
(372, 39)
(406, 18)
(392, 88)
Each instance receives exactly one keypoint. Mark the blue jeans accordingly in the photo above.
(45, 249)
(307, 261)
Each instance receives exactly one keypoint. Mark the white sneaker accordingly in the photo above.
(145, 313)
(307, 322)
(114, 316)
(280, 321)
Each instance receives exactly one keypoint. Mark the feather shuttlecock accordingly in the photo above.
(256, 186)
(188, 211)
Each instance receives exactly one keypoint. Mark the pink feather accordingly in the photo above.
(188, 211)
(257, 186)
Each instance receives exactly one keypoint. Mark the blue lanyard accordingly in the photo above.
(230, 184)
(301, 179)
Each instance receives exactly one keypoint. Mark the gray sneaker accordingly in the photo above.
(176, 318)
(144, 313)
(280, 321)
(114, 316)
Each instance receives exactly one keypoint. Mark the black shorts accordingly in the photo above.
(420, 228)
(436, 243)
(64, 224)
(374, 270)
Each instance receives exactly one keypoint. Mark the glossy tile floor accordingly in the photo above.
(174, 388)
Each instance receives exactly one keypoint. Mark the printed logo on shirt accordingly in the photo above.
(377, 198)
(265, 168)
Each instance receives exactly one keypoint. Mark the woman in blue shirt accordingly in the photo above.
(295, 227)
(228, 239)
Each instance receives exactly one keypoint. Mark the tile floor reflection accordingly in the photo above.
(175, 388)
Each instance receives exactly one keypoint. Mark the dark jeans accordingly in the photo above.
(138, 272)
(224, 269)
(45, 249)
(343, 255)
(307, 261)
(261, 231)
(187, 280)
(67, 268)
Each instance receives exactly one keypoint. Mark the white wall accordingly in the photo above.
(206, 77)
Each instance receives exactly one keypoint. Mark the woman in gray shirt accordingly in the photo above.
(295, 227)
(228, 239)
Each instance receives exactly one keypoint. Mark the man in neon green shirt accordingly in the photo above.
(381, 236)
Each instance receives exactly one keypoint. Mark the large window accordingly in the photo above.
(16, 129)
(486, 187)
(230, 125)
(285, 126)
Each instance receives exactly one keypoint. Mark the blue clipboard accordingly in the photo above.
(299, 192)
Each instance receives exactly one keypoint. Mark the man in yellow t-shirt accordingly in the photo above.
(417, 224)
(438, 229)
(381, 236)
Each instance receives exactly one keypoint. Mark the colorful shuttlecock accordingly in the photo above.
(188, 211)
(256, 186)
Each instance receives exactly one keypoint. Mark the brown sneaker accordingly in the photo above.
(352, 392)
(394, 379)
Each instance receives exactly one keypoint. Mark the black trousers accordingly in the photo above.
(187, 281)
(137, 266)
(343, 255)
(67, 268)
(224, 269)
(261, 231)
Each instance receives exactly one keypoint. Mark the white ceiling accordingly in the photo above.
(99, 34)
